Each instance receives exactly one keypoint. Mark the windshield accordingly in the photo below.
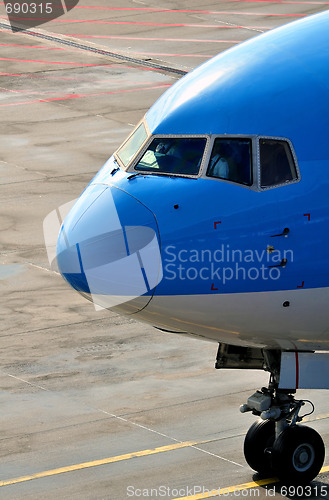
(231, 160)
(173, 155)
(276, 162)
(132, 145)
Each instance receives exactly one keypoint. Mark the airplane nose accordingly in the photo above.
(108, 249)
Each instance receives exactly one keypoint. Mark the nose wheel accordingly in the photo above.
(276, 444)
(297, 454)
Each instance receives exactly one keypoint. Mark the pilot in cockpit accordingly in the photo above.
(219, 165)
(163, 147)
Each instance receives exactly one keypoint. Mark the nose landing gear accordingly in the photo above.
(277, 444)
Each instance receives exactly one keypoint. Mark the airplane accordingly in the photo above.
(211, 220)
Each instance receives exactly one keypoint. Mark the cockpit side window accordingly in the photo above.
(173, 155)
(231, 159)
(132, 145)
(277, 165)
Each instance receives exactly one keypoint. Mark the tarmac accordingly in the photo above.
(94, 405)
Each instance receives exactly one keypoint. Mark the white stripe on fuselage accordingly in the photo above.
(252, 319)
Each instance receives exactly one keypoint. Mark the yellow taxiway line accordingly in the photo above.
(96, 463)
(230, 489)
(144, 453)
(238, 487)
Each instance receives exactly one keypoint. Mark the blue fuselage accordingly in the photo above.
(238, 263)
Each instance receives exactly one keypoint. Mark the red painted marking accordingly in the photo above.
(42, 92)
(52, 62)
(77, 96)
(185, 11)
(105, 80)
(192, 11)
(301, 286)
(144, 38)
(31, 46)
(212, 288)
(308, 216)
(76, 64)
(180, 25)
(188, 11)
(39, 92)
(218, 222)
(24, 75)
(297, 370)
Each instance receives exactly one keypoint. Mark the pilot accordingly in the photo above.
(163, 147)
(168, 147)
(218, 166)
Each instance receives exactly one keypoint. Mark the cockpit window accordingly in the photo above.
(277, 164)
(132, 145)
(231, 160)
(176, 155)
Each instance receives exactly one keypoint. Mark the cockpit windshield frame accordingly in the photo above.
(143, 140)
(291, 158)
(255, 184)
(147, 144)
(223, 158)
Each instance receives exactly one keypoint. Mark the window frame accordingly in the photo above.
(116, 153)
(253, 159)
(142, 151)
(210, 140)
(294, 157)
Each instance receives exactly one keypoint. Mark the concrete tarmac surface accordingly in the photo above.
(94, 405)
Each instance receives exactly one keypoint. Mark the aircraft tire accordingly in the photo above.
(297, 454)
(259, 437)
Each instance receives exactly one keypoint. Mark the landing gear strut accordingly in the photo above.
(277, 444)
